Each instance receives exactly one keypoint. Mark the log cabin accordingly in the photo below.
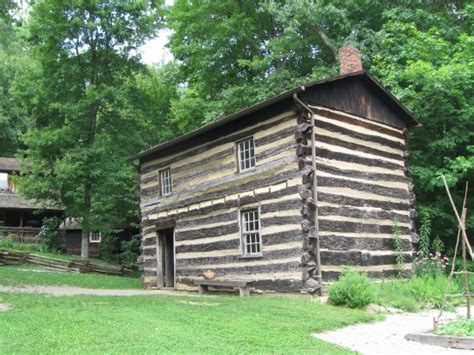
(285, 193)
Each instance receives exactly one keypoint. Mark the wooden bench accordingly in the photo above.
(242, 285)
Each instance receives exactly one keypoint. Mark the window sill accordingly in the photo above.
(253, 256)
(249, 170)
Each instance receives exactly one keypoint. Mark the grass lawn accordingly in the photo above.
(35, 275)
(169, 324)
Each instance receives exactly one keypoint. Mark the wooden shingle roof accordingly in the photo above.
(8, 165)
(390, 100)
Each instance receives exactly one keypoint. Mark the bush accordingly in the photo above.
(414, 293)
(353, 289)
(430, 266)
(461, 327)
(131, 250)
(49, 233)
(109, 247)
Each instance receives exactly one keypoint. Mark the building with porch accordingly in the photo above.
(20, 219)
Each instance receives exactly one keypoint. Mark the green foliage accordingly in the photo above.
(398, 246)
(425, 233)
(353, 289)
(131, 250)
(438, 245)
(109, 247)
(81, 105)
(461, 327)
(431, 266)
(414, 293)
(7, 244)
(49, 232)
(79, 65)
(421, 51)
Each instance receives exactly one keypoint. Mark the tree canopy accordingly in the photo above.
(82, 122)
(72, 86)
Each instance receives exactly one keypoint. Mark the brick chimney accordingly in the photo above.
(349, 60)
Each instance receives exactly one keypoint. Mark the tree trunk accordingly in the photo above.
(86, 222)
(85, 244)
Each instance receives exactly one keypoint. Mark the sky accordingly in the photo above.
(154, 51)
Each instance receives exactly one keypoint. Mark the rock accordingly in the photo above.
(321, 299)
(4, 307)
(209, 274)
(374, 309)
(311, 285)
(393, 310)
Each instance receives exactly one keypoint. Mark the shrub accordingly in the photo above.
(131, 250)
(109, 247)
(6, 244)
(49, 233)
(462, 327)
(414, 293)
(430, 266)
(438, 245)
(353, 289)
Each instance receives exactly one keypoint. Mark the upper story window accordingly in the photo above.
(165, 182)
(95, 237)
(246, 154)
(250, 229)
(3, 181)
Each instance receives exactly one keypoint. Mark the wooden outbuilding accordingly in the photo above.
(284, 193)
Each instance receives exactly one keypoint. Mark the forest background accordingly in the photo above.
(76, 100)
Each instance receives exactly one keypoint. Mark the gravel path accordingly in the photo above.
(72, 291)
(387, 337)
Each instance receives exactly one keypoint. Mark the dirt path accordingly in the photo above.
(387, 337)
(72, 291)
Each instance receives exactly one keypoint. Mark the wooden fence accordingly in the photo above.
(8, 257)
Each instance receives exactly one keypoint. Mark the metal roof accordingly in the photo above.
(407, 116)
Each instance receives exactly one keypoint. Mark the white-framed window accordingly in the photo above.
(165, 182)
(250, 229)
(3, 181)
(246, 154)
(95, 237)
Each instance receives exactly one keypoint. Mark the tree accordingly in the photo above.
(83, 126)
(425, 58)
(13, 61)
(234, 53)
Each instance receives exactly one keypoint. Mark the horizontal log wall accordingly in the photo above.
(208, 193)
(362, 187)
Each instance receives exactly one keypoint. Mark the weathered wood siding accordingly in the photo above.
(208, 192)
(359, 96)
(362, 187)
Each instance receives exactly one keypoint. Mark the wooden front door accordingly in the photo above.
(165, 253)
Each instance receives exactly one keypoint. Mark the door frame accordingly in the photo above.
(161, 227)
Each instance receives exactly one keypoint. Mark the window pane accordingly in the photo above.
(250, 232)
(165, 181)
(246, 154)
